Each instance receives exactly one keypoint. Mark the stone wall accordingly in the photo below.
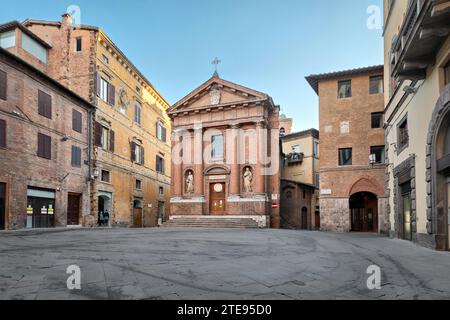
(335, 214)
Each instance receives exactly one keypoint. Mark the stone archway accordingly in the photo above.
(438, 172)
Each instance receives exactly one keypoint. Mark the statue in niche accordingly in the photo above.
(190, 183)
(215, 95)
(248, 179)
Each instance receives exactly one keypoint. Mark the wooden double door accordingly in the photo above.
(73, 209)
(217, 199)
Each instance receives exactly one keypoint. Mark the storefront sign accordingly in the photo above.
(217, 177)
(326, 191)
(44, 210)
(29, 211)
(51, 211)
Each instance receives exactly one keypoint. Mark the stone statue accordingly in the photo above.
(190, 183)
(248, 178)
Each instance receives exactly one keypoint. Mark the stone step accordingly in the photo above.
(211, 222)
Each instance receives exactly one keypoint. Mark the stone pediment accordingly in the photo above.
(217, 92)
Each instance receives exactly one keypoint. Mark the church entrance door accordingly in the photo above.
(217, 200)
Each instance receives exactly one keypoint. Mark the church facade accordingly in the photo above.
(225, 154)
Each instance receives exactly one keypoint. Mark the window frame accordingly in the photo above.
(381, 120)
(77, 121)
(105, 138)
(137, 118)
(102, 175)
(316, 150)
(138, 184)
(4, 92)
(44, 146)
(78, 44)
(44, 104)
(402, 136)
(160, 162)
(379, 78)
(76, 156)
(342, 82)
(214, 154)
(339, 157)
(383, 156)
(104, 90)
(4, 132)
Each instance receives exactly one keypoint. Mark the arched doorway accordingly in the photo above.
(304, 218)
(104, 210)
(364, 212)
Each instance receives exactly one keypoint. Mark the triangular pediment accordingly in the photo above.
(217, 92)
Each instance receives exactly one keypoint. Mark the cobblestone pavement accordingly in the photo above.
(216, 264)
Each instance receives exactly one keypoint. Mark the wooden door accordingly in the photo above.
(73, 210)
(137, 217)
(2, 205)
(217, 199)
(317, 224)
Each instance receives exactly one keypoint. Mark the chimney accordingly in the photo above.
(66, 20)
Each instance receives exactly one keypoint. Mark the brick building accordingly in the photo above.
(417, 113)
(131, 153)
(43, 127)
(352, 166)
(226, 154)
(300, 180)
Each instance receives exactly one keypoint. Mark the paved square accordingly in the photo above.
(216, 264)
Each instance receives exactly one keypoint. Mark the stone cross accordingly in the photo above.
(216, 62)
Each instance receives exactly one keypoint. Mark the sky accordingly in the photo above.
(267, 45)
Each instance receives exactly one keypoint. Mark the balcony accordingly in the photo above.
(294, 158)
(424, 30)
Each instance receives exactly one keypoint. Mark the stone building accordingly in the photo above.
(131, 157)
(43, 127)
(352, 166)
(417, 116)
(285, 125)
(300, 180)
(226, 154)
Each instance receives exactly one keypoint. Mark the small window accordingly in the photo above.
(282, 132)
(138, 89)
(3, 85)
(137, 113)
(105, 59)
(317, 182)
(379, 153)
(44, 104)
(105, 176)
(316, 150)
(217, 147)
(138, 185)
(104, 89)
(376, 85)
(76, 157)
(377, 120)
(77, 119)
(34, 48)
(44, 146)
(345, 157)
(402, 135)
(160, 165)
(447, 73)
(161, 132)
(2, 134)
(161, 191)
(105, 138)
(8, 39)
(344, 89)
(139, 154)
(78, 44)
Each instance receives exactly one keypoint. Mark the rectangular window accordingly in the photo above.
(77, 119)
(316, 150)
(137, 153)
(3, 85)
(105, 176)
(378, 151)
(137, 113)
(138, 185)
(344, 89)
(217, 147)
(160, 165)
(105, 59)
(105, 138)
(44, 146)
(376, 85)
(8, 39)
(377, 120)
(402, 135)
(447, 73)
(44, 104)
(161, 132)
(317, 181)
(161, 191)
(296, 148)
(104, 89)
(2, 134)
(35, 48)
(76, 157)
(78, 44)
(345, 157)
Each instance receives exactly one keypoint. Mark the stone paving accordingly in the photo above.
(216, 264)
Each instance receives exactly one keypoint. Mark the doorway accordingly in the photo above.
(364, 212)
(104, 210)
(304, 218)
(217, 200)
(2, 206)
(73, 209)
(161, 211)
(317, 220)
(42, 202)
(137, 214)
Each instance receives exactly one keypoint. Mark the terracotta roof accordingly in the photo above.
(8, 55)
(314, 79)
(311, 132)
(9, 26)
(28, 22)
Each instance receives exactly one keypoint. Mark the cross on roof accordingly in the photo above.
(216, 62)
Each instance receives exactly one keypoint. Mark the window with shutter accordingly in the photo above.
(2, 133)
(133, 151)
(44, 104)
(111, 95)
(98, 134)
(111, 140)
(3, 85)
(44, 146)
(77, 121)
(76, 157)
